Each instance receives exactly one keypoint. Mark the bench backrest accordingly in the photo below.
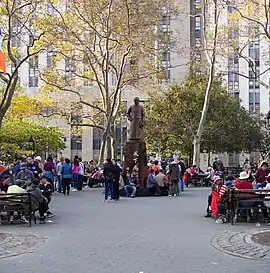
(250, 195)
(19, 198)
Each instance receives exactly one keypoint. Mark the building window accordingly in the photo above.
(197, 4)
(97, 134)
(198, 22)
(114, 79)
(197, 33)
(33, 71)
(236, 85)
(168, 75)
(197, 42)
(230, 86)
(236, 95)
(165, 20)
(231, 9)
(166, 56)
(49, 57)
(76, 144)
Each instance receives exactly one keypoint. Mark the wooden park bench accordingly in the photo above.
(252, 196)
(24, 203)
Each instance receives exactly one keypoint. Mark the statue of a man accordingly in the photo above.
(135, 115)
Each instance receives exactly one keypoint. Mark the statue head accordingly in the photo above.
(136, 100)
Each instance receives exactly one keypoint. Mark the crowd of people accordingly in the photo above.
(165, 178)
(42, 180)
(247, 179)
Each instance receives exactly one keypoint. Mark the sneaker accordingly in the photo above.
(42, 220)
(64, 195)
(74, 190)
(174, 195)
(11, 219)
(106, 201)
(219, 221)
(24, 220)
(50, 215)
(132, 196)
(248, 219)
(169, 195)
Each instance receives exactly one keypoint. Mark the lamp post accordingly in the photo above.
(31, 144)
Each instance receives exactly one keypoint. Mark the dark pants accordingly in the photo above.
(109, 187)
(116, 190)
(43, 207)
(80, 182)
(209, 201)
(66, 185)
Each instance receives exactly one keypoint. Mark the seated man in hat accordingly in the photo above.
(24, 173)
(243, 183)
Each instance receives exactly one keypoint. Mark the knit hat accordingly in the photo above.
(216, 178)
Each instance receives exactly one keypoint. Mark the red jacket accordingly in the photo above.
(243, 185)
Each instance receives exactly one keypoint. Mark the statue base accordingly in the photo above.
(132, 146)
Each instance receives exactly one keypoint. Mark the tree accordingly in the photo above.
(99, 43)
(172, 119)
(22, 42)
(211, 35)
(15, 133)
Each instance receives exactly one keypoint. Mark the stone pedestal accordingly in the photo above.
(138, 146)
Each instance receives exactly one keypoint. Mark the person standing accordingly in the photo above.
(80, 175)
(183, 169)
(75, 172)
(49, 169)
(33, 167)
(175, 174)
(58, 173)
(66, 172)
(262, 175)
(117, 180)
(109, 177)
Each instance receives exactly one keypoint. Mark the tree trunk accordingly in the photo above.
(103, 147)
(109, 146)
(196, 151)
(212, 62)
(209, 159)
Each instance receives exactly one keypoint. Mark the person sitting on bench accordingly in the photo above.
(33, 187)
(152, 183)
(16, 188)
(131, 185)
(47, 190)
(162, 181)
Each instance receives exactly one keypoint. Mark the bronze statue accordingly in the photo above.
(135, 115)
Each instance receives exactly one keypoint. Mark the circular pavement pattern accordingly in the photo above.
(241, 244)
(19, 243)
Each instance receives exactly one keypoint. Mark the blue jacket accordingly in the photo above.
(66, 171)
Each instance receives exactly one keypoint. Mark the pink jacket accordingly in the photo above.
(75, 168)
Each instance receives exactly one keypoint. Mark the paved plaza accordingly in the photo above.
(149, 235)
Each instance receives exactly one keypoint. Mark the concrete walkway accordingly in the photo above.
(149, 235)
